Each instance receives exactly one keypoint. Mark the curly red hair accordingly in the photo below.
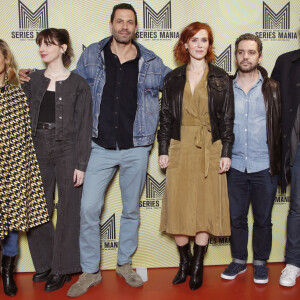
(187, 33)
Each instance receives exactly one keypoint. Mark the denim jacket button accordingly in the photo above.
(60, 98)
(60, 117)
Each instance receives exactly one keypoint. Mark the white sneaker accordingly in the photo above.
(289, 275)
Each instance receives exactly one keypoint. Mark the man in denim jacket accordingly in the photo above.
(125, 79)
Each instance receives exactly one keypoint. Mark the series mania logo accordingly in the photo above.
(224, 60)
(157, 25)
(108, 234)
(276, 26)
(31, 22)
(282, 198)
(154, 193)
(219, 241)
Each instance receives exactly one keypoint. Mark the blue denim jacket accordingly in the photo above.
(152, 71)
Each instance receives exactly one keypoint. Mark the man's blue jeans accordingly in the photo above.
(292, 255)
(259, 188)
(102, 166)
(10, 244)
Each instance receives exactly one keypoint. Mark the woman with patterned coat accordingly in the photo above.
(22, 199)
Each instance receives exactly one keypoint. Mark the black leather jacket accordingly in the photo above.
(220, 105)
(271, 93)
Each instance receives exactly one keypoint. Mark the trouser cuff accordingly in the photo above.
(239, 261)
(259, 262)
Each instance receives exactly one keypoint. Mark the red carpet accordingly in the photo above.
(159, 287)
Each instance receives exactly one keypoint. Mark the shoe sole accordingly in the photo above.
(138, 285)
(260, 281)
(287, 284)
(228, 277)
(83, 292)
(48, 290)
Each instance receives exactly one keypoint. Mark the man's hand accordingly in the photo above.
(23, 75)
(78, 178)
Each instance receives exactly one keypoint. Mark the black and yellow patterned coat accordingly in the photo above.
(22, 199)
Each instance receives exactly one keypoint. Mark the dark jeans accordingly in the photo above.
(259, 188)
(10, 244)
(57, 249)
(292, 255)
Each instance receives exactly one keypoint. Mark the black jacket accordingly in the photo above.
(220, 106)
(287, 73)
(73, 111)
(271, 94)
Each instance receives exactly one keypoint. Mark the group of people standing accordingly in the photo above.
(219, 141)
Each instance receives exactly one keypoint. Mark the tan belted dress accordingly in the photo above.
(195, 197)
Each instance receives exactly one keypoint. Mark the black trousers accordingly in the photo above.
(57, 249)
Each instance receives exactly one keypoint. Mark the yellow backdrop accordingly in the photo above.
(159, 24)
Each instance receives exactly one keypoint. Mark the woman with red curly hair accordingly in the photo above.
(195, 142)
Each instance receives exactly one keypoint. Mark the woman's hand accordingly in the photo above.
(78, 178)
(225, 164)
(163, 161)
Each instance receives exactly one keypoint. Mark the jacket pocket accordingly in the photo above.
(219, 84)
(152, 104)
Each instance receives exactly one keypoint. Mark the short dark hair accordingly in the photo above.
(251, 37)
(122, 6)
(57, 37)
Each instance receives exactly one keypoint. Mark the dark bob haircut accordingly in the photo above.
(187, 33)
(122, 6)
(57, 37)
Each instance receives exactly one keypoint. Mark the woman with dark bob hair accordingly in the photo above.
(22, 199)
(195, 142)
(60, 107)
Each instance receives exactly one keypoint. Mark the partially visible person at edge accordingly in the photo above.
(195, 141)
(125, 79)
(61, 108)
(287, 72)
(255, 160)
(22, 199)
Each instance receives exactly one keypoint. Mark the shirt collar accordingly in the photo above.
(260, 79)
(109, 52)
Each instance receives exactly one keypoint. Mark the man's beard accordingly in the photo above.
(247, 69)
(123, 39)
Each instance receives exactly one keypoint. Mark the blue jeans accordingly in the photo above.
(10, 244)
(292, 255)
(102, 166)
(259, 188)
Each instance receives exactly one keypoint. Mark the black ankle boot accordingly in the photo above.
(197, 267)
(184, 266)
(9, 285)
